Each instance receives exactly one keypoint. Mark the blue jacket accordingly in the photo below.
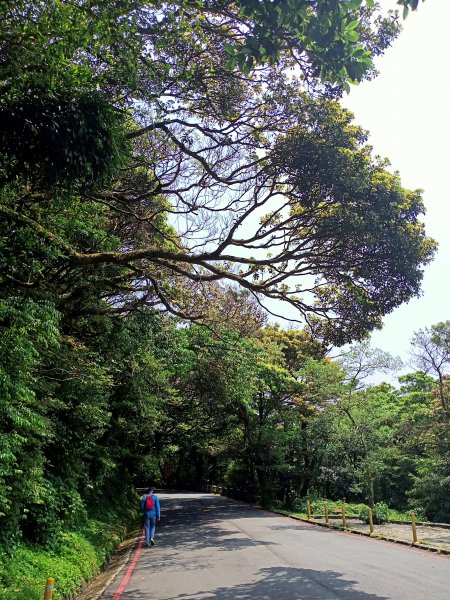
(155, 512)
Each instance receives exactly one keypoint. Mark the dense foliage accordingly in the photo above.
(160, 150)
(164, 164)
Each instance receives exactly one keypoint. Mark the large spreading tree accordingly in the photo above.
(155, 151)
(187, 158)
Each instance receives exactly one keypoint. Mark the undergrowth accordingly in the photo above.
(75, 559)
(335, 509)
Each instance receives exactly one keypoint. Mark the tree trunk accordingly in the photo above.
(370, 493)
(303, 486)
(265, 486)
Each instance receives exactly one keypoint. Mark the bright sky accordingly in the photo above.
(407, 112)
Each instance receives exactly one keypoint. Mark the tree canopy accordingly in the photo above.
(204, 142)
(164, 164)
(431, 354)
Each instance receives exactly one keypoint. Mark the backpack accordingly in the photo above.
(149, 503)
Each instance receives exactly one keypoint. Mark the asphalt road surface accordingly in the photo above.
(213, 548)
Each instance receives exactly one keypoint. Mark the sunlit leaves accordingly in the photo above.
(327, 33)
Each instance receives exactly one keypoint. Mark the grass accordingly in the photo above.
(335, 508)
(78, 556)
(404, 517)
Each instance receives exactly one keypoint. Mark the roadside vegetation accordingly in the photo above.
(72, 558)
(381, 511)
(171, 174)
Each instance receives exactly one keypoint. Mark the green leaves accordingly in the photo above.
(27, 329)
(102, 228)
(407, 5)
(321, 35)
(431, 354)
(352, 202)
(65, 138)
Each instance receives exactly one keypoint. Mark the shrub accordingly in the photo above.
(334, 506)
(380, 513)
(76, 558)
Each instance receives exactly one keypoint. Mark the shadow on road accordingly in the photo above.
(192, 559)
(278, 583)
(194, 525)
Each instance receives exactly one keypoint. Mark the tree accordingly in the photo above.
(431, 482)
(361, 361)
(298, 345)
(431, 354)
(321, 381)
(360, 439)
(186, 159)
(414, 419)
(27, 329)
(424, 439)
(227, 175)
(362, 429)
(335, 40)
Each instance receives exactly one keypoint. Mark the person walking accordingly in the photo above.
(151, 510)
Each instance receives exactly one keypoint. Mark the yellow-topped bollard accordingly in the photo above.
(413, 525)
(344, 518)
(371, 520)
(326, 513)
(49, 589)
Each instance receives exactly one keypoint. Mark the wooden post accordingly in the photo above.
(326, 513)
(344, 520)
(413, 525)
(308, 509)
(371, 520)
(49, 589)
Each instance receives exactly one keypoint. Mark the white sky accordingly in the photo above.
(407, 112)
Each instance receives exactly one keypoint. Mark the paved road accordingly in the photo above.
(212, 548)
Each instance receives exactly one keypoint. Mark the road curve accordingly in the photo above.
(213, 548)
